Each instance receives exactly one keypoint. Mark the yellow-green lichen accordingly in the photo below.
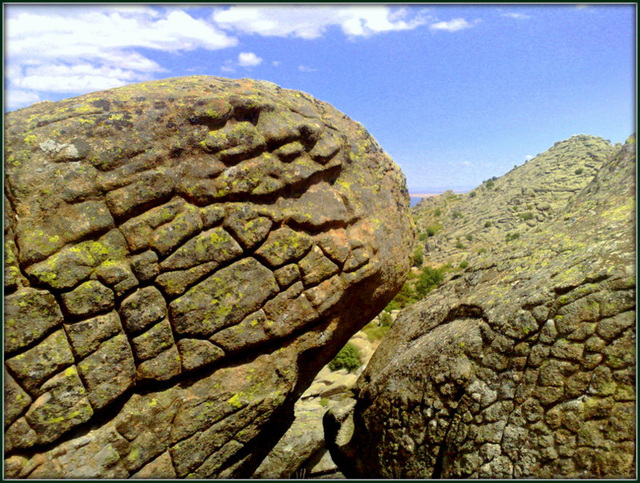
(133, 454)
(235, 401)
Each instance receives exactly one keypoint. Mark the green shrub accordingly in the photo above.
(410, 293)
(456, 214)
(433, 229)
(385, 319)
(579, 171)
(527, 215)
(438, 212)
(406, 296)
(472, 194)
(348, 358)
(375, 333)
(469, 237)
(417, 257)
(512, 236)
(459, 245)
(429, 279)
(464, 264)
(489, 184)
(423, 236)
(481, 251)
(488, 224)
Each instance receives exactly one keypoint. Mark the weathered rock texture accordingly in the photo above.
(455, 227)
(182, 257)
(522, 366)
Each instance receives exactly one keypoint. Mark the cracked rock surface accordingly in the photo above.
(522, 366)
(182, 257)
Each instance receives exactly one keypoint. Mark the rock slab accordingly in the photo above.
(182, 257)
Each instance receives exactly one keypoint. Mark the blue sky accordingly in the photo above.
(455, 94)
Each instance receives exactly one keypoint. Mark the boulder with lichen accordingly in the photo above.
(182, 257)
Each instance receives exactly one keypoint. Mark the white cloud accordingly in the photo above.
(452, 25)
(517, 16)
(15, 99)
(276, 63)
(79, 49)
(248, 59)
(528, 157)
(305, 68)
(245, 60)
(312, 22)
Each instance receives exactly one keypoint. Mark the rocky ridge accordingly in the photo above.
(521, 366)
(182, 257)
(455, 228)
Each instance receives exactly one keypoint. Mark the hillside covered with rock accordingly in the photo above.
(181, 258)
(457, 228)
(522, 365)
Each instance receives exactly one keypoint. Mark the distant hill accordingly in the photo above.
(454, 228)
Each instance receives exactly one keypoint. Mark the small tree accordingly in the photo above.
(429, 279)
(348, 358)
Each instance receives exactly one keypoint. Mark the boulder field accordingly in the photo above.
(181, 258)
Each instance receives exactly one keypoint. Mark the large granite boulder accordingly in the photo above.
(522, 366)
(182, 257)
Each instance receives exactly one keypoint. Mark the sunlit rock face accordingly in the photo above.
(182, 257)
(521, 366)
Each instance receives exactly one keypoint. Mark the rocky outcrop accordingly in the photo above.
(455, 228)
(182, 257)
(522, 366)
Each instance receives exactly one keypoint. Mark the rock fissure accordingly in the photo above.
(438, 465)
